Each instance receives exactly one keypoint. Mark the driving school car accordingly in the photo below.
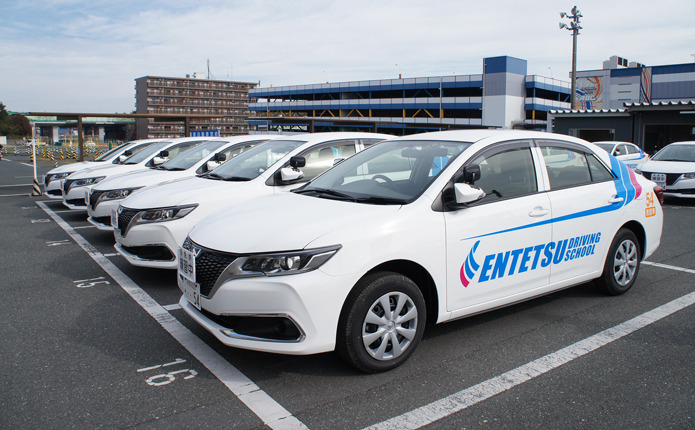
(421, 228)
(629, 153)
(150, 225)
(76, 186)
(53, 178)
(103, 199)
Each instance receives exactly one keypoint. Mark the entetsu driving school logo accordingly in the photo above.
(515, 261)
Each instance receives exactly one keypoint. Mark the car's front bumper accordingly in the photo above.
(145, 245)
(311, 301)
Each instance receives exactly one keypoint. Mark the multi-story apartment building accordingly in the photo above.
(227, 103)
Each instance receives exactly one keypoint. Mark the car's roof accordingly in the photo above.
(477, 135)
(614, 142)
(685, 142)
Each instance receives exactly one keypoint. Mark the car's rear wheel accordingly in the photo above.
(382, 322)
(622, 263)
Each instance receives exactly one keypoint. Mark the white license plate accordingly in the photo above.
(191, 290)
(659, 178)
(187, 264)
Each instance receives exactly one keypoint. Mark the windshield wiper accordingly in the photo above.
(325, 192)
(381, 200)
(213, 176)
(234, 178)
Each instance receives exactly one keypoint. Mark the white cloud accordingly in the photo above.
(76, 55)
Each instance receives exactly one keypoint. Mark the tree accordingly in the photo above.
(13, 125)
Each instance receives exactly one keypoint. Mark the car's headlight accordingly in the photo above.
(87, 181)
(688, 175)
(57, 176)
(117, 194)
(281, 263)
(165, 214)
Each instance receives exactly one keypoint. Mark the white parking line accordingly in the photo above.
(18, 185)
(14, 195)
(666, 266)
(470, 396)
(258, 401)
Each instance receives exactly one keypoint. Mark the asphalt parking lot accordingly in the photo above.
(88, 341)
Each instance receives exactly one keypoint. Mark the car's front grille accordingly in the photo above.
(670, 177)
(209, 265)
(76, 202)
(103, 220)
(124, 218)
(94, 197)
(151, 252)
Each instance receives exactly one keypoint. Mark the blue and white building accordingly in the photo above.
(503, 96)
(650, 106)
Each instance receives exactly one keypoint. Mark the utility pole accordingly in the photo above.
(574, 27)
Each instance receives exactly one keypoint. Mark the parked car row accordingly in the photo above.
(352, 242)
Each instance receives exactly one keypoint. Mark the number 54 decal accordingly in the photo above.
(650, 209)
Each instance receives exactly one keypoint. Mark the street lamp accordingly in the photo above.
(574, 27)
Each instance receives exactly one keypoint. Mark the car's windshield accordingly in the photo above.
(188, 158)
(248, 165)
(606, 146)
(676, 153)
(392, 172)
(107, 155)
(146, 153)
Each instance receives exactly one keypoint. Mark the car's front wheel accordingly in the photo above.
(382, 322)
(622, 263)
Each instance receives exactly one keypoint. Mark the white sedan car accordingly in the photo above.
(629, 153)
(151, 224)
(76, 186)
(421, 228)
(673, 168)
(105, 196)
(52, 179)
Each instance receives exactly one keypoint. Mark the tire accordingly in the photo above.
(371, 340)
(622, 263)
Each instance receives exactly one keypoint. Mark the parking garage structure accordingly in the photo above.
(503, 96)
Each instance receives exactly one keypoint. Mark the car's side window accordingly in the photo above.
(598, 171)
(506, 174)
(322, 158)
(568, 167)
(632, 149)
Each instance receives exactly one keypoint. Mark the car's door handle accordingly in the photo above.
(615, 199)
(538, 211)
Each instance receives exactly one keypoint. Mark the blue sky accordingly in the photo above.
(76, 55)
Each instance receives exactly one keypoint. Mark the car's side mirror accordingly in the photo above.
(290, 174)
(164, 153)
(220, 157)
(467, 193)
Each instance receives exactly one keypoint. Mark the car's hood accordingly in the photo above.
(188, 191)
(139, 178)
(108, 171)
(74, 167)
(284, 222)
(667, 167)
